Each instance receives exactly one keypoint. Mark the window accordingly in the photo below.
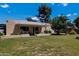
(24, 28)
(37, 30)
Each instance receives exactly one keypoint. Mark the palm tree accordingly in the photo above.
(44, 13)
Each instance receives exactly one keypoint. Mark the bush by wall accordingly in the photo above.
(72, 32)
(1, 34)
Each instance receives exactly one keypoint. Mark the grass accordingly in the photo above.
(54, 45)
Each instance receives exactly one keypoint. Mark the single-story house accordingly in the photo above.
(16, 27)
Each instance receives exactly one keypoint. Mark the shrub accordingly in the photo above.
(46, 31)
(62, 30)
(72, 32)
(77, 37)
(1, 33)
(49, 31)
(15, 34)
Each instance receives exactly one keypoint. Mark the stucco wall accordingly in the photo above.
(10, 27)
(46, 27)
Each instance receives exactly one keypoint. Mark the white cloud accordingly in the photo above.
(4, 6)
(74, 14)
(53, 3)
(68, 15)
(59, 15)
(65, 4)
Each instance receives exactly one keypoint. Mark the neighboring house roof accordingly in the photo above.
(35, 19)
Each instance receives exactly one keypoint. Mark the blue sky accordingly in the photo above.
(19, 11)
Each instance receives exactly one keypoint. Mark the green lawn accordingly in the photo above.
(49, 45)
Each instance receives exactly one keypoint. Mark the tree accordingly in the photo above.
(76, 22)
(59, 23)
(63, 22)
(44, 13)
(54, 22)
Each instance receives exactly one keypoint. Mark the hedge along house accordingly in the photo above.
(14, 27)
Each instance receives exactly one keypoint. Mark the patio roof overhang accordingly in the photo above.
(33, 23)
